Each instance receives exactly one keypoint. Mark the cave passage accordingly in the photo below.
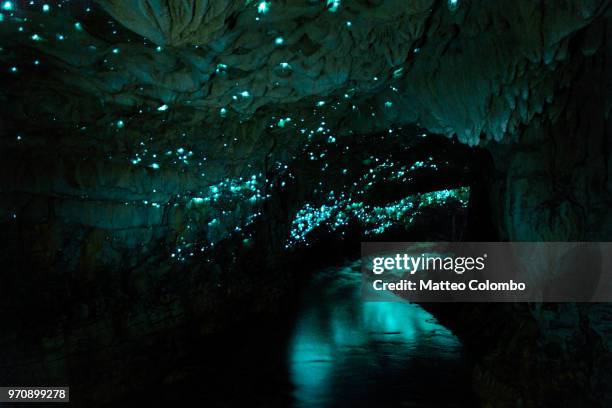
(182, 182)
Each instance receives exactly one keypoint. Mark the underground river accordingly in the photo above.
(348, 352)
(339, 351)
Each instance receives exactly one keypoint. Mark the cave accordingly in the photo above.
(186, 184)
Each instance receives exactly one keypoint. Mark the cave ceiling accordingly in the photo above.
(166, 103)
(457, 67)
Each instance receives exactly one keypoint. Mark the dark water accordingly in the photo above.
(347, 352)
(338, 351)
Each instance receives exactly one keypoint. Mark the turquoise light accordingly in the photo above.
(279, 41)
(263, 7)
(7, 5)
(338, 212)
(333, 5)
(46, 8)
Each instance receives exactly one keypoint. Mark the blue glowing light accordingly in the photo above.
(333, 5)
(263, 7)
(282, 122)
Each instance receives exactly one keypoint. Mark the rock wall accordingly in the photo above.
(553, 184)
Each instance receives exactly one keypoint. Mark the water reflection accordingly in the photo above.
(347, 352)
